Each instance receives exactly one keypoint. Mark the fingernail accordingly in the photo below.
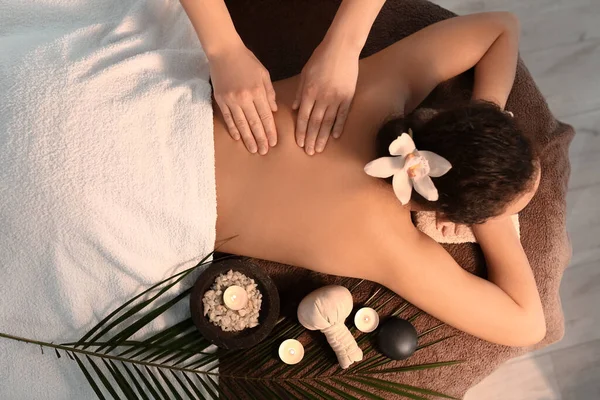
(336, 135)
(319, 148)
(262, 151)
(301, 143)
(310, 151)
(252, 149)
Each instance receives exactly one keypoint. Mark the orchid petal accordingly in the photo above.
(402, 187)
(402, 146)
(384, 167)
(426, 188)
(438, 165)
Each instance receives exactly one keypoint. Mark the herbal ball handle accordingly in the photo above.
(343, 344)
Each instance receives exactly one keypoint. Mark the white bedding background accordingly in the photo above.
(106, 172)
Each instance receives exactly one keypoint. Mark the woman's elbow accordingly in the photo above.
(536, 334)
(529, 332)
(511, 22)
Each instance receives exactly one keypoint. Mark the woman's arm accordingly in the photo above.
(495, 71)
(505, 309)
(414, 66)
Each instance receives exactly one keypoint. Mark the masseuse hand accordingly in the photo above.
(448, 228)
(326, 89)
(245, 95)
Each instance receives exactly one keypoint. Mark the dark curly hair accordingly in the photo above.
(492, 161)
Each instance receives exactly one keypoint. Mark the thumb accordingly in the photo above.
(298, 93)
(438, 221)
(270, 93)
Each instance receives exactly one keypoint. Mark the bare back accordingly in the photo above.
(308, 211)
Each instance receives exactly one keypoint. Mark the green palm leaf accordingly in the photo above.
(89, 378)
(120, 379)
(194, 387)
(146, 382)
(398, 387)
(104, 326)
(178, 363)
(103, 379)
(358, 390)
(315, 389)
(137, 384)
(182, 385)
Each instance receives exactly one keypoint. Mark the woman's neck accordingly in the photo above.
(414, 206)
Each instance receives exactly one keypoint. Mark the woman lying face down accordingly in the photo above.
(324, 213)
(494, 171)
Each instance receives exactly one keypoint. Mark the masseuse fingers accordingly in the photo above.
(271, 97)
(266, 117)
(316, 118)
(303, 117)
(233, 131)
(444, 230)
(299, 90)
(340, 120)
(448, 229)
(242, 124)
(326, 126)
(451, 229)
(256, 125)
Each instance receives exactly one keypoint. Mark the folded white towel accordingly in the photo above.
(425, 221)
(106, 172)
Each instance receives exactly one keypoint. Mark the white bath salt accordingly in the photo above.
(225, 318)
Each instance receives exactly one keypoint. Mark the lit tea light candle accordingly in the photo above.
(366, 319)
(291, 351)
(235, 297)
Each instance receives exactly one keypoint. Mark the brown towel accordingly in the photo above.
(283, 35)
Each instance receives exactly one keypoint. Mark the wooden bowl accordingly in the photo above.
(267, 317)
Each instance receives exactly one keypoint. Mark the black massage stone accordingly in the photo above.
(397, 339)
(267, 317)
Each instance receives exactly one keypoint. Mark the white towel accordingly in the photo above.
(106, 172)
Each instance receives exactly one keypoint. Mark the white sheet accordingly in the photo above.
(106, 172)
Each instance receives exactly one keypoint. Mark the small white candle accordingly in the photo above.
(291, 351)
(366, 319)
(235, 297)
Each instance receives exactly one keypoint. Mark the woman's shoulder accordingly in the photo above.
(382, 94)
(382, 213)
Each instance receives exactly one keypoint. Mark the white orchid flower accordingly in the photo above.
(410, 167)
